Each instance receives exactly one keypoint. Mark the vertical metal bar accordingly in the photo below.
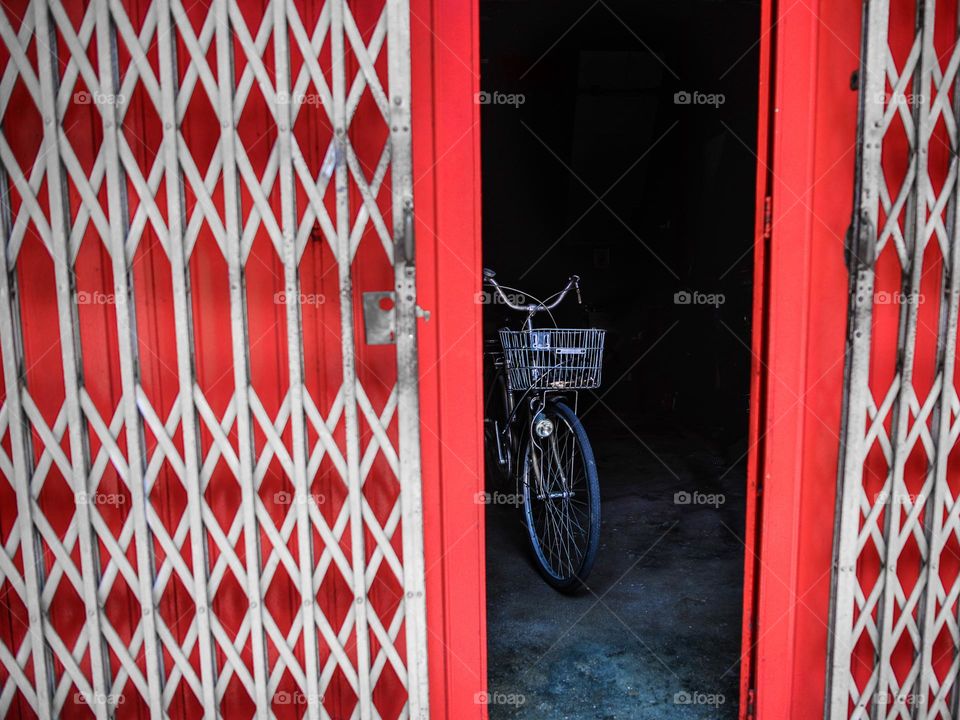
(898, 504)
(940, 512)
(288, 212)
(240, 343)
(870, 132)
(946, 362)
(401, 171)
(11, 346)
(70, 355)
(127, 350)
(351, 425)
(937, 510)
(183, 322)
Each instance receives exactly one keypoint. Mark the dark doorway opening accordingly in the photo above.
(619, 144)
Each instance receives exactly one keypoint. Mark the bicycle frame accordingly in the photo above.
(517, 398)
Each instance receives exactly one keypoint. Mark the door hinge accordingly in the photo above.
(767, 217)
(404, 251)
(751, 704)
(859, 244)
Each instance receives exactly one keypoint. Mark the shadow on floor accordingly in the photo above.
(658, 633)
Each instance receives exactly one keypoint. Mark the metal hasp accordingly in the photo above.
(217, 488)
(380, 318)
(894, 637)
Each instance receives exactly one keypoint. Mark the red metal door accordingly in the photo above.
(894, 640)
(893, 580)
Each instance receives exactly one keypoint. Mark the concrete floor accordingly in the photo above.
(658, 633)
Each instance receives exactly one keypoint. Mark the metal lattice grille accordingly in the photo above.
(210, 495)
(894, 634)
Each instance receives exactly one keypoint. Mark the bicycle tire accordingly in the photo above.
(570, 435)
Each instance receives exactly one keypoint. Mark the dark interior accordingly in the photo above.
(618, 143)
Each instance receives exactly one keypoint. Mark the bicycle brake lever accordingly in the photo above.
(579, 299)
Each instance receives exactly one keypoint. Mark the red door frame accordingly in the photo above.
(812, 49)
(445, 64)
(806, 132)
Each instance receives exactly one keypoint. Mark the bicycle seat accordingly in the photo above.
(489, 274)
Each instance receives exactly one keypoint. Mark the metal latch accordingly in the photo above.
(380, 317)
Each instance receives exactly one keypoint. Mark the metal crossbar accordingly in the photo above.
(174, 56)
(894, 639)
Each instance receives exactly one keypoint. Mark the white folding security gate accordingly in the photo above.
(894, 636)
(211, 486)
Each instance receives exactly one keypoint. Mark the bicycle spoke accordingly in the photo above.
(558, 493)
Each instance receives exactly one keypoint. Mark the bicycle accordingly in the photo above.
(534, 436)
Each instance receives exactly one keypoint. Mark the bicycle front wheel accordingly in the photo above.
(561, 499)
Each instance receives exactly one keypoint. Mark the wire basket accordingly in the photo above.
(552, 358)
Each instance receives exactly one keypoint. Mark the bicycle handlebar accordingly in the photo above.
(489, 278)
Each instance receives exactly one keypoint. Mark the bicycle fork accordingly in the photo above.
(499, 434)
(543, 491)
